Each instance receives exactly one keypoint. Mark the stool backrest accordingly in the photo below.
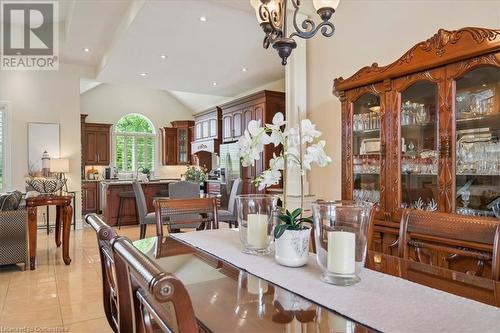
(104, 236)
(140, 199)
(156, 296)
(183, 190)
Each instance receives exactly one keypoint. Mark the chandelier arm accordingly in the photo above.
(310, 29)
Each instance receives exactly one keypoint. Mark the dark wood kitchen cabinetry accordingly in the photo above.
(96, 144)
(90, 197)
(424, 132)
(235, 118)
(176, 142)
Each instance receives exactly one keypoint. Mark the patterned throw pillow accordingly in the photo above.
(10, 201)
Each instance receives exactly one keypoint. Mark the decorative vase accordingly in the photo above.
(341, 234)
(256, 215)
(292, 248)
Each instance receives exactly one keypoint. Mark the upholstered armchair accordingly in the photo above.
(14, 237)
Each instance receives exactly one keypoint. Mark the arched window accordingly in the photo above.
(135, 143)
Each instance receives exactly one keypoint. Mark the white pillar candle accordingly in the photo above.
(341, 252)
(257, 230)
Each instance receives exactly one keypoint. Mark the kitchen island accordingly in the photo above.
(110, 205)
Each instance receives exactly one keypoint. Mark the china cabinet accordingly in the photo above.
(424, 131)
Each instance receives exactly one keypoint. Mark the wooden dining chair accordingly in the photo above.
(453, 241)
(204, 208)
(159, 299)
(104, 236)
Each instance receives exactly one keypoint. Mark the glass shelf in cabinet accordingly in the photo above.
(369, 131)
(416, 174)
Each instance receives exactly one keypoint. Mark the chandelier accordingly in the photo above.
(272, 17)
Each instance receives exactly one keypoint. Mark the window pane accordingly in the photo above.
(134, 123)
(150, 153)
(120, 143)
(129, 141)
(140, 153)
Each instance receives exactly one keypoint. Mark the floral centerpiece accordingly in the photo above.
(301, 148)
(196, 174)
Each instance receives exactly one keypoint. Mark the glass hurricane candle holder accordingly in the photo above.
(256, 217)
(341, 234)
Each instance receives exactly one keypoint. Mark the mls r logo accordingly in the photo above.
(28, 28)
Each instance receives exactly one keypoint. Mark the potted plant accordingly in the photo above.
(196, 174)
(146, 174)
(292, 239)
(301, 148)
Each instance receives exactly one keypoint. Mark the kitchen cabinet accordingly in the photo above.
(96, 144)
(176, 142)
(236, 116)
(90, 197)
(424, 131)
(208, 124)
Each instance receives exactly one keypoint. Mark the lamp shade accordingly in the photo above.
(272, 5)
(318, 4)
(59, 165)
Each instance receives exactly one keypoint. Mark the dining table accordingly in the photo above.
(227, 298)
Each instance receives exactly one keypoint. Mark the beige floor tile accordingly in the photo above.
(32, 292)
(81, 311)
(50, 317)
(95, 325)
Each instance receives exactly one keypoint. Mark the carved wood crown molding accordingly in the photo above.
(445, 46)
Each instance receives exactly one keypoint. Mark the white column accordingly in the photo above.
(296, 99)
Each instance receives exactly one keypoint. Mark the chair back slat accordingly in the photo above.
(152, 293)
(465, 238)
(105, 234)
(204, 208)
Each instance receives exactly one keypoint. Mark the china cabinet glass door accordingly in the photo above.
(366, 147)
(477, 128)
(418, 121)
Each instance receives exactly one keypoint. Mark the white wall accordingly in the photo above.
(368, 32)
(107, 103)
(43, 96)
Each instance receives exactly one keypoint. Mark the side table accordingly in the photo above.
(64, 212)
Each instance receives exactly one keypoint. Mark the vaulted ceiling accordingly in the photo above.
(124, 41)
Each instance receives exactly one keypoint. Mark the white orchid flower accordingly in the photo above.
(269, 178)
(277, 163)
(309, 132)
(316, 154)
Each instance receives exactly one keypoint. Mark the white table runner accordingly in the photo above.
(380, 301)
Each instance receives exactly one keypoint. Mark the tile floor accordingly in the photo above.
(56, 295)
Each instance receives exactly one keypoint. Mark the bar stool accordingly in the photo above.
(122, 197)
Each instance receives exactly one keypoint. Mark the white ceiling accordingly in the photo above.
(199, 53)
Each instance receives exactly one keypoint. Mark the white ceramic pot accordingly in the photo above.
(292, 248)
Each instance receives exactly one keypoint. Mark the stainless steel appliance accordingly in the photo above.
(229, 163)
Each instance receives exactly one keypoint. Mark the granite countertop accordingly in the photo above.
(129, 182)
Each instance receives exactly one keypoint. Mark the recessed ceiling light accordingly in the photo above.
(143, 74)
(243, 69)
(163, 56)
(203, 18)
(214, 83)
(86, 50)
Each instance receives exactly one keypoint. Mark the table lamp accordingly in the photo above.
(61, 167)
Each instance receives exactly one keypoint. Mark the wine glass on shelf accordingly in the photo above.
(465, 210)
